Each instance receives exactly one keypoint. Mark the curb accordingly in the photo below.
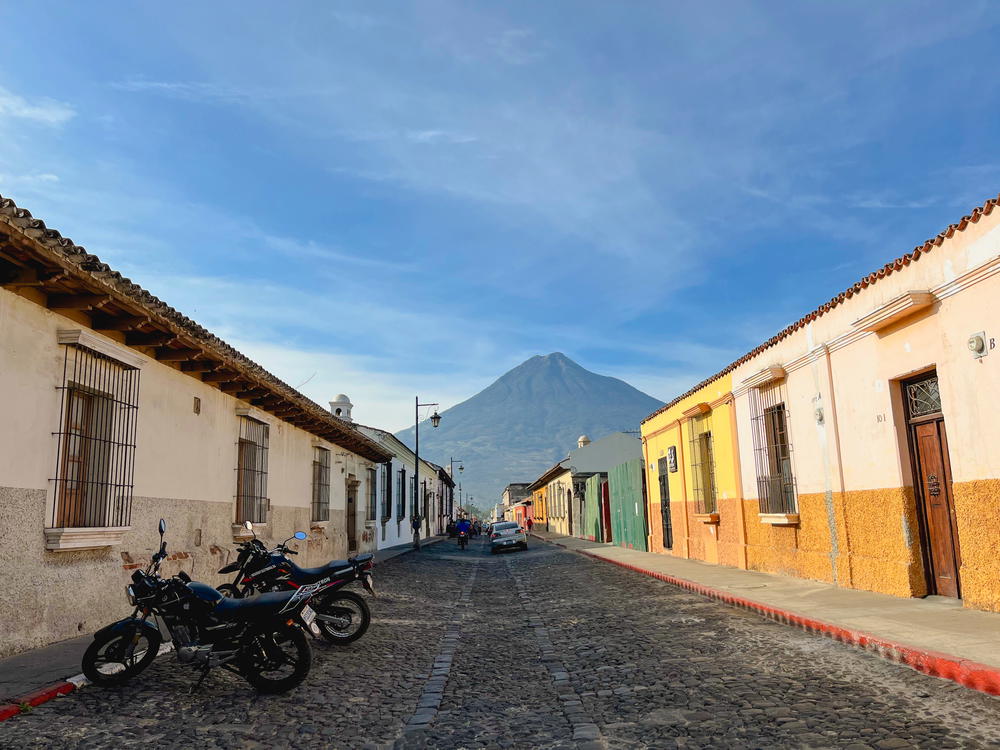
(42, 695)
(970, 674)
(16, 705)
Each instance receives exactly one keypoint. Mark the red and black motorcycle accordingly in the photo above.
(342, 616)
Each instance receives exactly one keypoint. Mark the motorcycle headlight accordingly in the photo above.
(130, 595)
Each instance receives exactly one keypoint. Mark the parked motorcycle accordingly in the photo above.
(463, 539)
(260, 638)
(342, 616)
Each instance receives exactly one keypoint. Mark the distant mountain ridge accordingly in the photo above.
(528, 419)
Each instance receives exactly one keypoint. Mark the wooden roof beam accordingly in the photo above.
(124, 323)
(176, 355)
(157, 338)
(220, 376)
(201, 365)
(77, 301)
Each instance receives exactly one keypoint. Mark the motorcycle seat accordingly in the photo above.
(309, 575)
(361, 559)
(253, 607)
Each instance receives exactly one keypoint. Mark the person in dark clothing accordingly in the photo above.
(415, 525)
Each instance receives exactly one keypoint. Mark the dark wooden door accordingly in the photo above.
(606, 512)
(668, 526)
(932, 483)
(934, 478)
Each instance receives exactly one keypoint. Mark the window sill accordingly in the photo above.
(779, 519)
(707, 517)
(318, 524)
(95, 537)
(240, 534)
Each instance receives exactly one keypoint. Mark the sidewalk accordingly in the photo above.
(36, 676)
(935, 635)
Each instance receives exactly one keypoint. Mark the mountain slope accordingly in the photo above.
(527, 420)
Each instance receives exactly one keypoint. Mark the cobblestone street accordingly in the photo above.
(540, 649)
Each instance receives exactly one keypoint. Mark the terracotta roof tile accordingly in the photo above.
(85, 264)
(898, 264)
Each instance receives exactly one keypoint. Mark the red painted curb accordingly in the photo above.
(970, 674)
(36, 698)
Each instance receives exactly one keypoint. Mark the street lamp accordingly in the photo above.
(435, 421)
(451, 473)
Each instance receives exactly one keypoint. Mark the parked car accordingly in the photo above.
(507, 535)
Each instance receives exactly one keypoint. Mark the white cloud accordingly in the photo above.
(41, 110)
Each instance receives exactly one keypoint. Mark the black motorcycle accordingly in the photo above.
(342, 616)
(463, 539)
(260, 638)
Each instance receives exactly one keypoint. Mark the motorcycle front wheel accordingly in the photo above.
(278, 661)
(342, 616)
(120, 655)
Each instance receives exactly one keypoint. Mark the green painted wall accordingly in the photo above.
(628, 515)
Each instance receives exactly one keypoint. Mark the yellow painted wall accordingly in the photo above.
(539, 511)
(717, 543)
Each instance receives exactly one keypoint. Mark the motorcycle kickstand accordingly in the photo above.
(204, 674)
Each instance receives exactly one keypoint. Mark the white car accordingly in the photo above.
(507, 535)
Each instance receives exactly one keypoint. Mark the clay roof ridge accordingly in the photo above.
(64, 247)
(904, 260)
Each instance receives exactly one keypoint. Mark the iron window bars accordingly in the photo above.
(702, 465)
(320, 484)
(95, 458)
(372, 495)
(386, 491)
(251, 472)
(923, 397)
(772, 451)
(400, 495)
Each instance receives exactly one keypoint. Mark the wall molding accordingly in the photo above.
(89, 340)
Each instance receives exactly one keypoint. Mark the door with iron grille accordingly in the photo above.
(352, 513)
(932, 485)
(668, 527)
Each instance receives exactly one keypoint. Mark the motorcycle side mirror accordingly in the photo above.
(248, 525)
(163, 527)
(300, 535)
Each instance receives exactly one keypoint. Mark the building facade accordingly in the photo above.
(856, 446)
(117, 411)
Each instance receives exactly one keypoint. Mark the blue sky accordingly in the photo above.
(396, 198)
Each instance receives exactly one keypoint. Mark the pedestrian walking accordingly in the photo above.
(530, 524)
(415, 524)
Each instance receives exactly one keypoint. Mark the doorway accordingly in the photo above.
(932, 485)
(668, 526)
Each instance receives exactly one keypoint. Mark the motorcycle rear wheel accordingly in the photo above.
(105, 662)
(348, 607)
(278, 661)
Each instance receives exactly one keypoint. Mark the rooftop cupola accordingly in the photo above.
(341, 407)
(582, 441)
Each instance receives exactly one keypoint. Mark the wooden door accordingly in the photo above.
(72, 497)
(932, 484)
(606, 512)
(352, 514)
(668, 526)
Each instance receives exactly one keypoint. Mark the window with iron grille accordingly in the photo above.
(372, 496)
(321, 484)
(772, 451)
(251, 472)
(95, 462)
(400, 495)
(702, 464)
(386, 491)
